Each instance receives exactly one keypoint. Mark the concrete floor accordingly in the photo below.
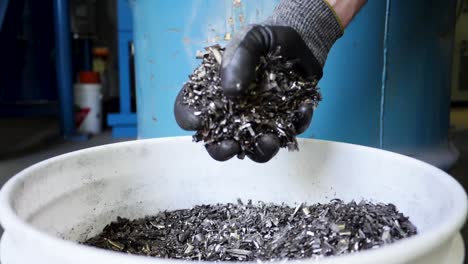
(17, 153)
(26, 157)
(22, 146)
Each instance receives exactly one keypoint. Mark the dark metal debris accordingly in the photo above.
(261, 232)
(270, 106)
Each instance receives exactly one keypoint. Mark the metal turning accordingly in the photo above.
(258, 232)
(270, 106)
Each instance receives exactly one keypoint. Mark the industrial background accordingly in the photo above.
(81, 73)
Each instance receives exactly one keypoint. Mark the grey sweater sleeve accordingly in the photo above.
(314, 20)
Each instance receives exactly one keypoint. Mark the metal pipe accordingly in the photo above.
(384, 76)
(64, 67)
(87, 55)
(3, 8)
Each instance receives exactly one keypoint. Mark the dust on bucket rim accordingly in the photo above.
(399, 251)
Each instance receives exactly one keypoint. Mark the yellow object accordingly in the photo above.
(459, 118)
(99, 59)
(99, 65)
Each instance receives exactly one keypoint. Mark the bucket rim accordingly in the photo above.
(398, 251)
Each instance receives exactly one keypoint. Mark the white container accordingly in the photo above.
(88, 100)
(74, 196)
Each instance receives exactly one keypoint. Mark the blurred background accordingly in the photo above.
(68, 78)
(61, 79)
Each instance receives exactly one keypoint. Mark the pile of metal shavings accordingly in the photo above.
(269, 106)
(258, 232)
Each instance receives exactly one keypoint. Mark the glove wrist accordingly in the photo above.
(331, 4)
(314, 20)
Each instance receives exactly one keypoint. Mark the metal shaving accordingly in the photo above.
(258, 232)
(270, 105)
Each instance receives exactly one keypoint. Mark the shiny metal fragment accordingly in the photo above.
(269, 107)
(258, 231)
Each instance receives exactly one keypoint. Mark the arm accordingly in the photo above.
(305, 31)
(346, 9)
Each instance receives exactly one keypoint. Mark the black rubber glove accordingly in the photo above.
(306, 41)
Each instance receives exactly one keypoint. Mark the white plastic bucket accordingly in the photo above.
(88, 102)
(74, 196)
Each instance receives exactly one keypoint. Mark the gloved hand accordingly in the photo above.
(304, 30)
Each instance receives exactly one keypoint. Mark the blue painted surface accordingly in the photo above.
(64, 67)
(419, 71)
(396, 98)
(351, 85)
(124, 131)
(124, 71)
(124, 15)
(122, 119)
(167, 36)
(124, 123)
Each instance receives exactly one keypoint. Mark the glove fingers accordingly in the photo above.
(266, 148)
(243, 53)
(241, 58)
(224, 150)
(294, 48)
(185, 115)
(237, 76)
(303, 118)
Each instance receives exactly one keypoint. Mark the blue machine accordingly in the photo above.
(3, 8)
(386, 81)
(124, 123)
(64, 67)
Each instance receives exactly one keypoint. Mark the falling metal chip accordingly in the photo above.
(216, 54)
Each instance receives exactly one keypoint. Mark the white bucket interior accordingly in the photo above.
(74, 196)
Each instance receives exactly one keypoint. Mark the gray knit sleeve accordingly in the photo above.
(314, 20)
